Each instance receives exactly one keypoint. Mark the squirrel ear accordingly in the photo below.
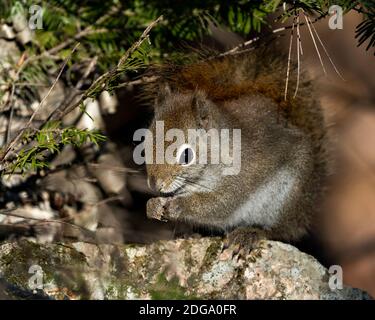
(201, 108)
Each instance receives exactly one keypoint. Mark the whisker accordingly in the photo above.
(193, 183)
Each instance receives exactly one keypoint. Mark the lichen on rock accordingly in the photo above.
(179, 269)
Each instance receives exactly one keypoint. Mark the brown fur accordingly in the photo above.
(247, 92)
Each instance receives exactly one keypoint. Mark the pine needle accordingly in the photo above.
(316, 47)
(289, 58)
(325, 50)
(299, 50)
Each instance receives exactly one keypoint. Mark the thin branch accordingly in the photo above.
(102, 80)
(141, 80)
(138, 43)
(12, 144)
(98, 83)
(75, 91)
(108, 200)
(52, 87)
(8, 212)
(9, 124)
(112, 168)
(251, 41)
(68, 42)
(237, 48)
(87, 31)
(27, 84)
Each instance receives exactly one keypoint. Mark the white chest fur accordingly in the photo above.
(264, 205)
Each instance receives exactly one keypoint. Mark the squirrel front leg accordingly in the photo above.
(199, 208)
(163, 208)
(242, 240)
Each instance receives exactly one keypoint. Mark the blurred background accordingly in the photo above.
(95, 192)
(348, 221)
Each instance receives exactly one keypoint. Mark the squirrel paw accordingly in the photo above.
(162, 208)
(243, 241)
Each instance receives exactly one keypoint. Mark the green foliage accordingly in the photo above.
(49, 140)
(366, 29)
(106, 29)
(112, 26)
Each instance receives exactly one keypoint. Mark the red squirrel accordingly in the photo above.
(284, 162)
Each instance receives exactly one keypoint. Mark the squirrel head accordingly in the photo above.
(185, 112)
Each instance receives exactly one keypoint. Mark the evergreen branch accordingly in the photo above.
(101, 83)
(138, 43)
(97, 86)
(49, 140)
(10, 146)
(90, 30)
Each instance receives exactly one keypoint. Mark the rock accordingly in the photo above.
(9, 51)
(24, 36)
(53, 101)
(65, 157)
(16, 124)
(108, 103)
(7, 32)
(3, 294)
(92, 118)
(179, 269)
(105, 171)
(73, 181)
(19, 22)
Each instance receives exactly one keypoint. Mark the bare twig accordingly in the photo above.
(238, 48)
(80, 35)
(141, 80)
(9, 212)
(108, 200)
(9, 124)
(138, 43)
(27, 84)
(85, 32)
(243, 45)
(75, 91)
(112, 168)
(103, 79)
(14, 141)
(52, 87)
(98, 84)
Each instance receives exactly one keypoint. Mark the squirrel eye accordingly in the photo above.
(185, 155)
